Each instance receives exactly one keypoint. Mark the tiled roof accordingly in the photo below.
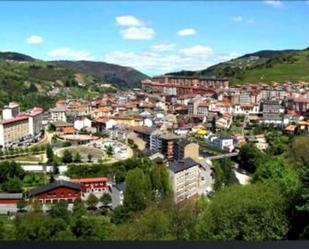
(53, 185)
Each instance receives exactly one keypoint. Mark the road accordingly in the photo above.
(232, 154)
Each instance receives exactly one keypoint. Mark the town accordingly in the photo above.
(182, 123)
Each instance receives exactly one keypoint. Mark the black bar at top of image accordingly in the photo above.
(158, 245)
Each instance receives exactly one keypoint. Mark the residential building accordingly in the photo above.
(118, 194)
(13, 130)
(163, 143)
(181, 85)
(58, 114)
(8, 202)
(223, 143)
(95, 185)
(56, 191)
(184, 149)
(184, 176)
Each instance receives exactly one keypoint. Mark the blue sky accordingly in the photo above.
(154, 37)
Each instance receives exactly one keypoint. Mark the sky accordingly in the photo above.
(154, 37)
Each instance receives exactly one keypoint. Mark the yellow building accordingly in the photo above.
(12, 130)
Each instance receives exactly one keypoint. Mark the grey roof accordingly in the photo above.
(169, 136)
(177, 166)
(53, 185)
(11, 196)
(121, 186)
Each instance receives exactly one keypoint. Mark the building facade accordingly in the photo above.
(184, 176)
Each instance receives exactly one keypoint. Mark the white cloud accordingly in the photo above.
(186, 32)
(274, 3)
(163, 47)
(237, 19)
(137, 33)
(128, 21)
(67, 53)
(34, 39)
(155, 62)
(134, 29)
(197, 50)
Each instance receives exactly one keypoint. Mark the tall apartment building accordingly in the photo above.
(184, 148)
(12, 130)
(184, 176)
(180, 85)
(164, 143)
(15, 125)
(58, 114)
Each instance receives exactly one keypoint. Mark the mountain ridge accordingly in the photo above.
(264, 66)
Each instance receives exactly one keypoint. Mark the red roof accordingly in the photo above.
(92, 179)
(13, 120)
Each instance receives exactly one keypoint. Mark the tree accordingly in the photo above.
(60, 210)
(21, 205)
(153, 224)
(120, 215)
(36, 206)
(89, 157)
(34, 227)
(214, 125)
(251, 212)
(79, 209)
(250, 157)
(13, 185)
(106, 199)
(92, 201)
(278, 171)
(160, 180)
(49, 153)
(77, 158)
(67, 157)
(137, 191)
(85, 228)
(224, 173)
(109, 151)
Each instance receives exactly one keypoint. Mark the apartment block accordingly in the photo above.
(184, 175)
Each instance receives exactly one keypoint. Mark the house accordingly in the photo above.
(56, 191)
(184, 149)
(118, 194)
(8, 202)
(58, 114)
(62, 126)
(184, 176)
(223, 143)
(16, 126)
(104, 123)
(95, 185)
(164, 143)
(275, 119)
(143, 133)
(81, 123)
(272, 106)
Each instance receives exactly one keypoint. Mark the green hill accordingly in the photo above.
(264, 66)
(124, 77)
(32, 82)
(35, 82)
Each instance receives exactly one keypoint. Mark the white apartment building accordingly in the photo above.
(184, 175)
(14, 126)
(221, 143)
(12, 130)
(58, 114)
